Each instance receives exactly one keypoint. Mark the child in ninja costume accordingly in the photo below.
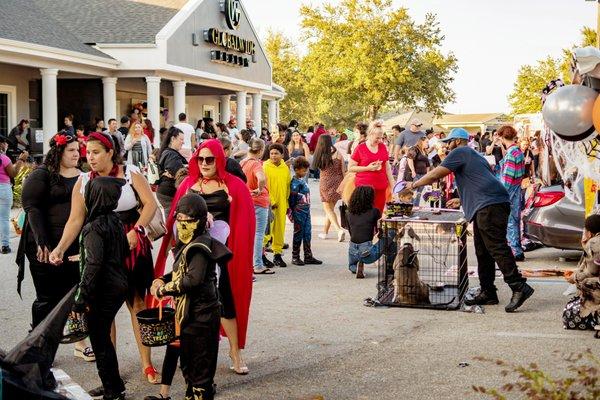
(103, 286)
(299, 214)
(193, 284)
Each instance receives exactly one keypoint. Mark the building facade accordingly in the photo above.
(98, 58)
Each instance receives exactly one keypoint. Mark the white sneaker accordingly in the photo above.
(322, 236)
(341, 236)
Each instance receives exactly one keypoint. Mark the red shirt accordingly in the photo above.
(250, 168)
(150, 134)
(363, 156)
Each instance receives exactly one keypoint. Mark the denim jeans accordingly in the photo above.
(262, 217)
(366, 252)
(418, 191)
(513, 231)
(6, 200)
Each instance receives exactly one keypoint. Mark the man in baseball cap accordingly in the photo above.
(486, 203)
(408, 137)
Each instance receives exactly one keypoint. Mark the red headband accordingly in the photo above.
(103, 139)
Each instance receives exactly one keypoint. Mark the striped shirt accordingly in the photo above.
(512, 167)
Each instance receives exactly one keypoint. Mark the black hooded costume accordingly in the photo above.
(193, 283)
(103, 286)
(25, 371)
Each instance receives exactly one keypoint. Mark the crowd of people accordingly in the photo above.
(216, 182)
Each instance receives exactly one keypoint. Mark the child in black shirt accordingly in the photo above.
(362, 224)
(193, 283)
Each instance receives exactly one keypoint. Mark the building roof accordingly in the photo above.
(108, 21)
(467, 119)
(403, 118)
(76, 25)
(22, 21)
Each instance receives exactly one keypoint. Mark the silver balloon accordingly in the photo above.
(568, 112)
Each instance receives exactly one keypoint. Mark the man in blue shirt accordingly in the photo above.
(486, 203)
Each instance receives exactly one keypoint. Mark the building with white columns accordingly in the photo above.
(201, 57)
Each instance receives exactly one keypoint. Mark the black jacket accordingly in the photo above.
(103, 244)
(194, 280)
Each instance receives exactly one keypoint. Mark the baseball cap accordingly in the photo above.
(456, 133)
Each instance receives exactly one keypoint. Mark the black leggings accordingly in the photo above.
(52, 283)
(100, 318)
(198, 349)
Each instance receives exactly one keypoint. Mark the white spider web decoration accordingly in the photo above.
(573, 160)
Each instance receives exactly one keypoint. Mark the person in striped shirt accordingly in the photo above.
(512, 171)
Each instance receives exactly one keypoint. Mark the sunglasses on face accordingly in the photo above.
(208, 160)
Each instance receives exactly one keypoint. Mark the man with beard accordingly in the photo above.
(486, 203)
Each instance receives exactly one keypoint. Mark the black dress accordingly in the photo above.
(219, 206)
(47, 202)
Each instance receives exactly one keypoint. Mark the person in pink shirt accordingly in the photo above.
(7, 170)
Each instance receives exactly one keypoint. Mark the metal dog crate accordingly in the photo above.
(424, 260)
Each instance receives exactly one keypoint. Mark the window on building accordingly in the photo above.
(4, 114)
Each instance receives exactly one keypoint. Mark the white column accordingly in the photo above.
(225, 110)
(109, 93)
(272, 108)
(178, 99)
(153, 101)
(257, 111)
(49, 105)
(278, 110)
(241, 110)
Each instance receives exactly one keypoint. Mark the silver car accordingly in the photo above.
(554, 220)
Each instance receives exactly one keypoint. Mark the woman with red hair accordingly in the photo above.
(228, 200)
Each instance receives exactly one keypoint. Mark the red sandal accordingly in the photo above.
(152, 375)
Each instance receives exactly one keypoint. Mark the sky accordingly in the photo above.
(490, 38)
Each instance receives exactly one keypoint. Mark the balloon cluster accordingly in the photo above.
(572, 112)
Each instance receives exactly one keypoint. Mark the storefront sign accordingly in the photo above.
(230, 41)
(233, 12)
(229, 58)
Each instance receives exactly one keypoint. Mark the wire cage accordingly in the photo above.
(424, 260)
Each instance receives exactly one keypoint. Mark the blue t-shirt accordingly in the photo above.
(477, 185)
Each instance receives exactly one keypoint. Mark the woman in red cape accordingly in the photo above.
(242, 225)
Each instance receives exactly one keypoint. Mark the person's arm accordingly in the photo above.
(306, 149)
(73, 226)
(432, 176)
(193, 140)
(128, 142)
(142, 188)
(390, 175)
(261, 180)
(21, 141)
(188, 280)
(34, 197)
(94, 260)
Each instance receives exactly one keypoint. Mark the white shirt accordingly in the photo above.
(188, 131)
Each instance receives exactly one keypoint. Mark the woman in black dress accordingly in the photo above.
(169, 162)
(47, 202)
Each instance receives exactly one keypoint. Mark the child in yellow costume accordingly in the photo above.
(278, 181)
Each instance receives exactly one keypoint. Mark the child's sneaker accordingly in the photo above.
(297, 261)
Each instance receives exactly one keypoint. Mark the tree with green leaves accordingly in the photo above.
(363, 54)
(287, 72)
(532, 79)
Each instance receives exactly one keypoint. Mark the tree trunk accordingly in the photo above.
(373, 111)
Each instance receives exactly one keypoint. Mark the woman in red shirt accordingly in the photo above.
(370, 162)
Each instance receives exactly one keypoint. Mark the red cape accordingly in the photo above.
(241, 238)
